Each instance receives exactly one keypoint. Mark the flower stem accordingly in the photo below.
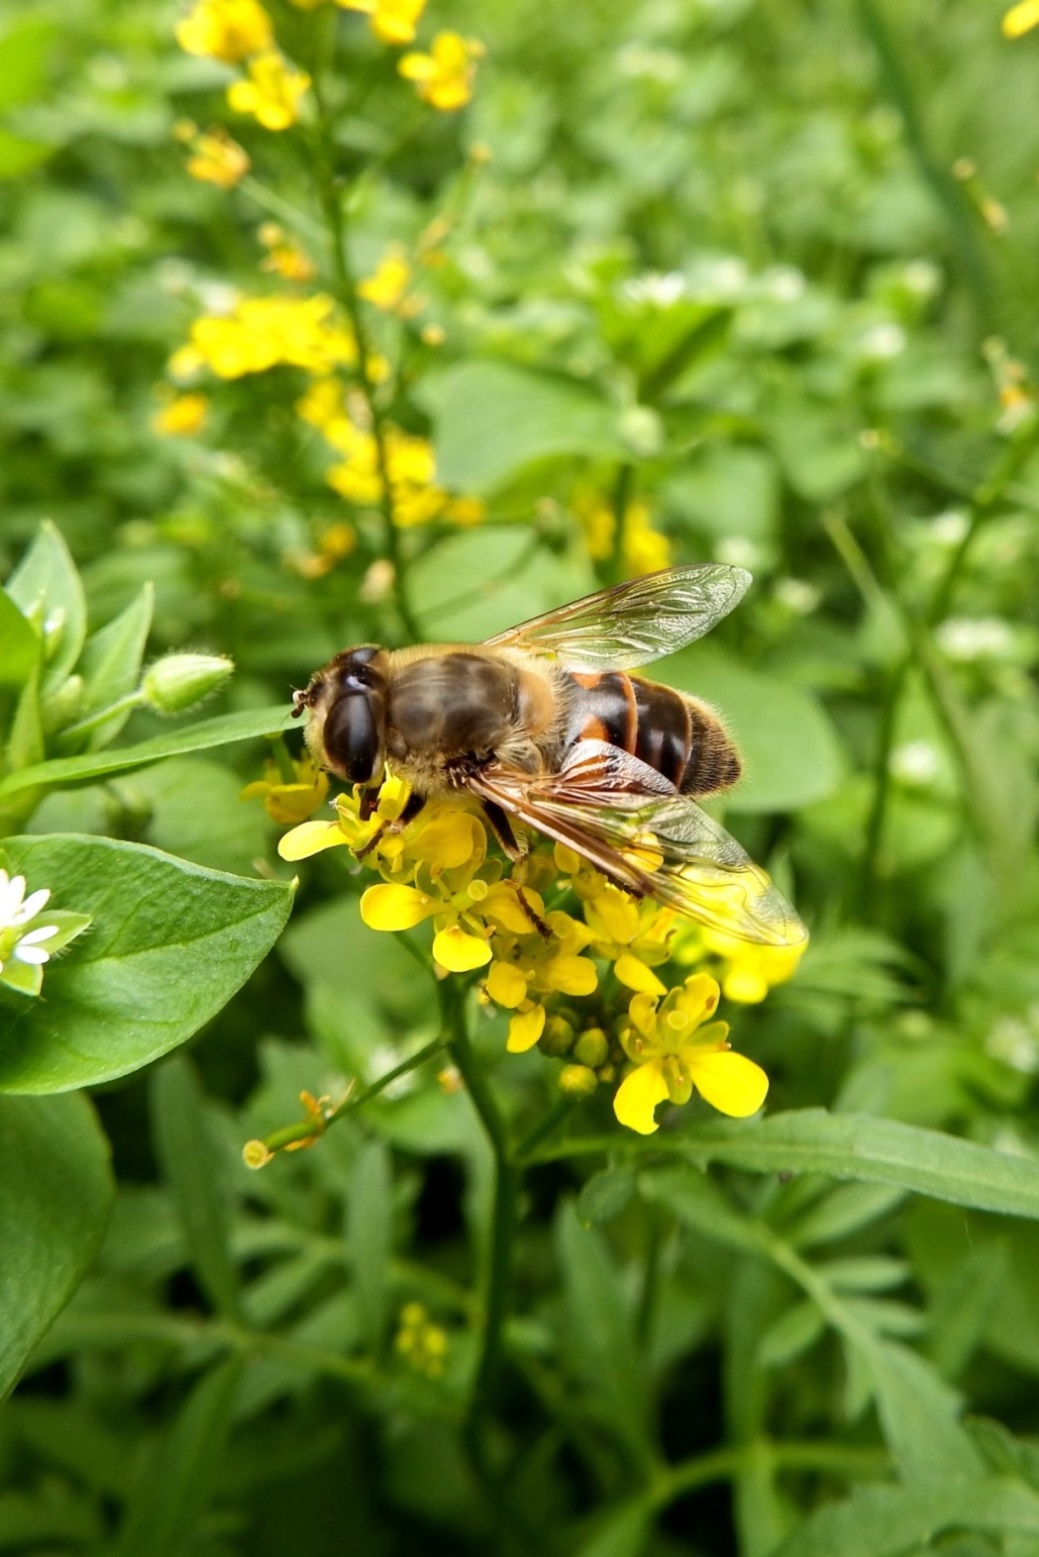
(122, 705)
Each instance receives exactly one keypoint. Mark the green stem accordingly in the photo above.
(346, 289)
(623, 489)
(355, 1099)
(543, 1129)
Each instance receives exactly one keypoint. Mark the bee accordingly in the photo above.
(545, 726)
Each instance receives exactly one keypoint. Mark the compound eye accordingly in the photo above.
(351, 739)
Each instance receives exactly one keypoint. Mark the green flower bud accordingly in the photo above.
(592, 1048)
(63, 707)
(577, 1081)
(178, 681)
(557, 1038)
(607, 1073)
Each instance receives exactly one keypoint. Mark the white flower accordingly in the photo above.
(965, 638)
(15, 907)
(915, 763)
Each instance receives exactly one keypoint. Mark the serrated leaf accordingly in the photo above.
(192, 1167)
(892, 1521)
(47, 582)
(63, 772)
(56, 1193)
(170, 944)
(879, 1151)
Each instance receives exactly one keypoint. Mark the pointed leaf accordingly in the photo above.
(56, 1193)
(47, 581)
(170, 944)
(111, 665)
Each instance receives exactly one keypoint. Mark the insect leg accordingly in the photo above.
(412, 807)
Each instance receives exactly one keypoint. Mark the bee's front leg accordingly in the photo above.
(369, 800)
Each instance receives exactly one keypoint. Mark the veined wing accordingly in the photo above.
(656, 844)
(634, 623)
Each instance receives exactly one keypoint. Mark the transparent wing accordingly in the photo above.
(656, 844)
(632, 624)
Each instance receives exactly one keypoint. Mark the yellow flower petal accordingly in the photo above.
(506, 984)
(393, 907)
(729, 1082)
(1021, 19)
(525, 1029)
(451, 840)
(570, 975)
(635, 975)
(504, 905)
(613, 916)
(453, 948)
(638, 1095)
(310, 838)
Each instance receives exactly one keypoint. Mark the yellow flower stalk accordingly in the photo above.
(444, 77)
(228, 30)
(392, 21)
(272, 92)
(673, 1052)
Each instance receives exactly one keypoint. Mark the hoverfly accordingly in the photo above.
(543, 725)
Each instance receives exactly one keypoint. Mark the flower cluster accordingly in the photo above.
(239, 32)
(420, 1342)
(642, 549)
(259, 333)
(26, 945)
(571, 958)
(415, 496)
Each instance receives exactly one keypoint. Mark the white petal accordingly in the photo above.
(32, 905)
(44, 933)
(34, 954)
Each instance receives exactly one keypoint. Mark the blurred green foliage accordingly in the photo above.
(769, 272)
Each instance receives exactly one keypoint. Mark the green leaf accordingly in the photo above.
(47, 582)
(19, 644)
(601, 1348)
(894, 1521)
(18, 155)
(842, 1212)
(56, 1194)
(179, 1474)
(606, 1194)
(492, 418)
(876, 1151)
(701, 1205)
(369, 1231)
(222, 731)
(797, 1329)
(24, 58)
(620, 1533)
(790, 752)
(170, 944)
(192, 1166)
(111, 665)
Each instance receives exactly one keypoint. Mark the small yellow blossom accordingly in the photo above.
(217, 159)
(284, 258)
(289, 802)
(1021, 19)
(532, 965)
(230, 30)
(643, 549)
(263, 332)
(673, 1052)
(272, 93)
(181, 417)
(444, 77)
(392, 21)
(752, 970)
(420, 1342)
(387, 287)
(634, 936)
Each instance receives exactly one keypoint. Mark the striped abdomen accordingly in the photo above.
(676, 735)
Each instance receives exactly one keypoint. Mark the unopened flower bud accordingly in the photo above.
(577, 1081)
(63, 707)
(592, 1048)
(256, 1154)
(178, 681)
(557, 1038)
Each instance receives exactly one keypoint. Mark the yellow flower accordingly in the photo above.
(290, 802)
(392, 21)
(752, 970)
(1021, 19)
(533, 966)
(182, 416)
(643, 549)
(230, 30)
(272, 92)
(386, 288)
(634, 936)
(262, 332)
(444, 77)
(673, 1052)
(217, 159)
(284, 258)
(421, 1343)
